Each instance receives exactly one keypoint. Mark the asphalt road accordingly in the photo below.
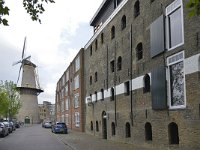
(32, 138)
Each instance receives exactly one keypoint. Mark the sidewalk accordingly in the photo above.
(83, 141)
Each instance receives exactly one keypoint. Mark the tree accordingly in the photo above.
(33, 7)
(9, 99)
(194, 7)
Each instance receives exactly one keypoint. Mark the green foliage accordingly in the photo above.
(9, 99)
(33, 7)
(194, 7)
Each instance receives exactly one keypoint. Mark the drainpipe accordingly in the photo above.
(131, 75)
(115, 98)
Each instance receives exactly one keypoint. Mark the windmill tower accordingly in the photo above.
(29, 90)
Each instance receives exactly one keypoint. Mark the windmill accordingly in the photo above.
(29, 90)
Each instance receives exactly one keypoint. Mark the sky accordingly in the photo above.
(52, 45)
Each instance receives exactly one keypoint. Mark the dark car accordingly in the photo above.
(3, 130)
(59, 127)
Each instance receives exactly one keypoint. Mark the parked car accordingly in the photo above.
(8, 125)
(47, 124)
(59, 127)
(3, 130)
(17, 124)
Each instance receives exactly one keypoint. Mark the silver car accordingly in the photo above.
(3, 130)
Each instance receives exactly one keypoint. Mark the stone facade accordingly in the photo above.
(122, 96)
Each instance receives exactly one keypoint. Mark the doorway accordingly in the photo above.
(104, 125)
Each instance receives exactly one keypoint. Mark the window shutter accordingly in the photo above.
(157, 36)
(158, 90)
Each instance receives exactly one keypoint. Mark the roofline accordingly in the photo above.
(97, 12)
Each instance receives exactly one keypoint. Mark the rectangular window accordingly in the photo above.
(176, 81)
(66, 90)
(67, 104)
(76, 100)
(77, 64)
(112, 66)
(127, 88)
(67, 76)
(174, 25)
(77, 119)
(66, 119)
(76, 82)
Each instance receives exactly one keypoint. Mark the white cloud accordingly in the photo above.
(52, 44)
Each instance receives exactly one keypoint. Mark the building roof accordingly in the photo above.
(103, 4)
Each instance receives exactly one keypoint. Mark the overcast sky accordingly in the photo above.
(52, 45)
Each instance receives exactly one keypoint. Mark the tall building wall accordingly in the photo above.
(143, 116)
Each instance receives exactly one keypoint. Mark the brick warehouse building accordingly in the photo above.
(70, 101)
(142, 73)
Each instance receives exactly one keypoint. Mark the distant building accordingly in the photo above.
(47, 111)
(70, 95)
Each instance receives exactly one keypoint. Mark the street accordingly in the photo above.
(32, 138)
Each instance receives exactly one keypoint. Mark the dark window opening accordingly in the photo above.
(139, 51)
(173, 133)
(127, 88)
(96, 77)
(91, 126)
(113, 32)
(137, 9)
(96, 44)
(102, 94)
(112, 93)
(119, 63)
(123, 22)
(91, 50)
(102, 38)
(152, 1)
(112, 66)
(128, 130)
(96, 96)
(113, 128)
(90, 80)
(146, 83)
(97, 126)
(148, 132)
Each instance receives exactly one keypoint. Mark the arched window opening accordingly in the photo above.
(102, 94)
(119, 63)
(128, 130)
(112, 94)
(96, 77)
(173, 133)
(113, 32)
(97, 126)
(95, 96)
(102, 38)
(123, 22)
(96, 44)
(113, 128)
(148, 132)
(146, 83)
(90, 80)
(91, 126)
(91, 50)
(139, 51)
(137, 9)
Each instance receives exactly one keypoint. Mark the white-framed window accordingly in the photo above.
(77, 119)
(66, 119)
(76, 82)
(76, 100)
(67, 104)
(62, 106)
(174, 25)
(67, 76)
(77, 63)
(66, 90)
(176, 81)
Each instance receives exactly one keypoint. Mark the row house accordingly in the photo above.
(70, 96)
(142, 74)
